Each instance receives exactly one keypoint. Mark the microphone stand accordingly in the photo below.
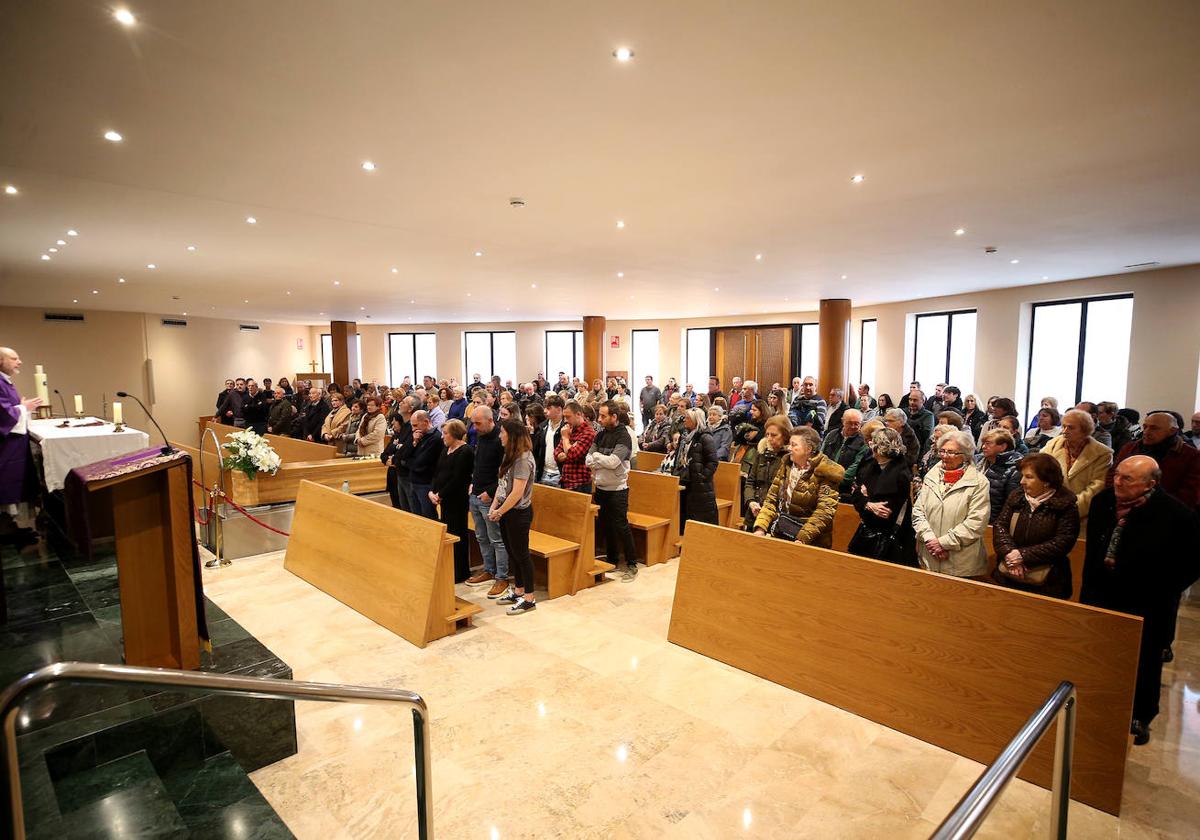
(167, 448)
(66, 423)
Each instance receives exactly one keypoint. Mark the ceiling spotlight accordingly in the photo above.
(479, 253)
(622, 54)
(124, 17)
(395, 271)
(362, 309)
(320, 313)
(72, 232)
(620, 273)
(151, 266)
(412, 301)
(52, 250)
(191, 247)
(1014, 262)
(95, 291)
(1045, 277)
(289, 291)
(184, 313)
(45, 256)
(533, 285)
(620, 223)
(10, 189)
(113, 136)
(368, 166)
(716, 288)
(61, 242)
(245, 301)
(843, 276)
(758, 257)
(120, 279)
(337, 282)
(74, 300)
(960, 231)
(250, 220)
(857, 179)
(468, 294)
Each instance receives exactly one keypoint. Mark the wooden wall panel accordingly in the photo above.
(774, 360)
(954, 662)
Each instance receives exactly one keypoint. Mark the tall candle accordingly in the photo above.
(118, 417)
(39, 384)
(79, 403)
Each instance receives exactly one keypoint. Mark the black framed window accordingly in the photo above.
(413, 355)
(564, 352)
(327, 355)
(867, 349)
(944, 349)
(489, 354)
(1079, 350)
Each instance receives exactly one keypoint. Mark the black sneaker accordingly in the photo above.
(1139, 730)
(522, 606)
(1168, 654)
(509, 597)
(630, 573)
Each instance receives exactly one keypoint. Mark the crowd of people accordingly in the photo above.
(927, 476)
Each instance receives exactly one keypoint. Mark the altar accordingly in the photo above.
(85, 441)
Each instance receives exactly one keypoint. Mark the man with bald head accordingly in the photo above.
(1143, 551)
(1179, 462)
(420, 454)
(1192, 436)
(17, 482)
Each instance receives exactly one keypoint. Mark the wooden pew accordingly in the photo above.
(654, 514)
(563, 534)
(845, 523)
(395, 568)
(954, 662)
(366, 476)
(649, 461)
(288, 449)
(728, 483)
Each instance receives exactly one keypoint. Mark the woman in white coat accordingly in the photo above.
(952, 510)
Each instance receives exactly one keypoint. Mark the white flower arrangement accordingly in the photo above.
(250, 454)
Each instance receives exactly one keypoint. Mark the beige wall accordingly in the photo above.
(108, 351)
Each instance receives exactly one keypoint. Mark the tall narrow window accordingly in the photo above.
(944, 350)
(645, 363)
(413, 355)
(327, 355)
(697, 365)
(866, 359)
(490, 354)
(1079, 350)
(810, 351)
(564, 352)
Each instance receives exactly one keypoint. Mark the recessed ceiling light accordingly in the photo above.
(250, 220)
(113, 136)
(72, 232)
(533, 285)
(52, 250)
(74, 300)
(151, 266)
(10, 189)
(1045, 277)
(857, 179)
(508, 309)
(843, 276)
(758, 257)
(362, 309)
(184, 313)
(622, 54)
(191, 247)
(468, 294)
(960, 231)
(620, 223)
(337, 282)
(368, 166)
(716, 288)
(395, 271)
(61, 242)
(45, 256)
(95, 291)
(120, 279)
(620, 273)
(412, 301)
(1014, 262)
(479, 253)
(245, 301)
(289, 292)
(124, 16)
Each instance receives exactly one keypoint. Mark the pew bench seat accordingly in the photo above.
(561, 557)
(725, 512)
(650, 526)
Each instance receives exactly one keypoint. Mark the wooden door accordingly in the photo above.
(735, 356)
(773, 357)
(763, 354)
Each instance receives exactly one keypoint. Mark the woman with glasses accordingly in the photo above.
(950, 515)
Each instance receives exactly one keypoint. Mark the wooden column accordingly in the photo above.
(593, 347)
(834, 368)
(345, 350)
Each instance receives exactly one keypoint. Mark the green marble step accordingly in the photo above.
(120, 799)
(218, 800)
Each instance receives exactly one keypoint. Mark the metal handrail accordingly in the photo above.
(215, 527)
(261, 687)
(970, 812)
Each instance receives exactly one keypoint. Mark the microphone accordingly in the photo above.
(167, 449)
(66, 417)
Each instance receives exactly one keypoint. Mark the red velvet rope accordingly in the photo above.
(240, 509)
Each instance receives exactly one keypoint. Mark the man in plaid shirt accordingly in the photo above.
(575, 438)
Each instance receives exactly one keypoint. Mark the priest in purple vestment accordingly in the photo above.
(15, 464)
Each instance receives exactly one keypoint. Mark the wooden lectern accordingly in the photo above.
(152, 522)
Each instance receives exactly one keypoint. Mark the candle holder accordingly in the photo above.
(79, 415)
(118, 427)
(65, 424)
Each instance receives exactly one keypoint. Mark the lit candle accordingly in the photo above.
(79, 403)
(118, 417)
(39, 383)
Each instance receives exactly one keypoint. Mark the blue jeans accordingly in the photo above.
(421, 502)
(551, 480)
(490, 538)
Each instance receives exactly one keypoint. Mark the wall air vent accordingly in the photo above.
(248, 327)
(62, 316)
(1142, 265)
(173, 322)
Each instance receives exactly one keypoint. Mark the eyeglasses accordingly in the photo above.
(949, 453)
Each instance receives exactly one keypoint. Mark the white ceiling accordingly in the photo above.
(1065, 134)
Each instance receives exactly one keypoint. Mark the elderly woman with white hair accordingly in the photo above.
(1084, 460)
(721, 431)
(695, 465)
(950, 515)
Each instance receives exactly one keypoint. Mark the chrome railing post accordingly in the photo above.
(423, 771)
(1064, 754)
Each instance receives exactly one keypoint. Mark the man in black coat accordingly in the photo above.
(1143, 550)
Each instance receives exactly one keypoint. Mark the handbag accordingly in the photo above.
(787, 527)
(878, 543)
(1033, 577)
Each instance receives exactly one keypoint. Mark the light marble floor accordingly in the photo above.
(580, 720)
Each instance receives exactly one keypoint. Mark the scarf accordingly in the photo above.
(952, 476)
(1123, 510)
(1035, 502)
